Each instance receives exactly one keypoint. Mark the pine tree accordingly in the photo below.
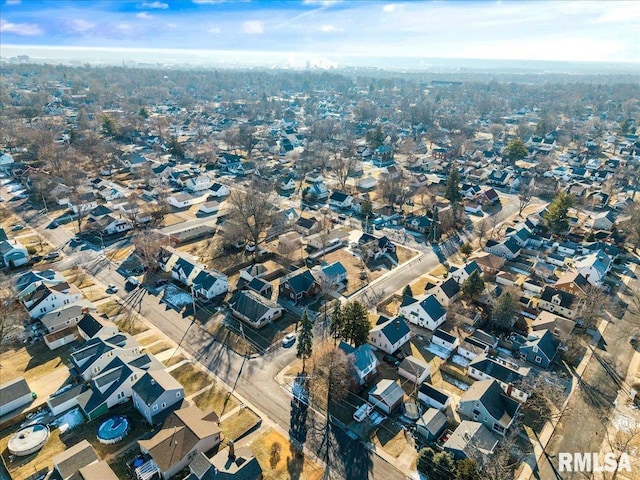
(452, 189)
(356, 324)
(515, 150)
(473, 286)
(505, 309)
(556, 218)
(443, 466)
(424, 460)
(305, 341)
(336, 324)
(467, 469)
(466, 249)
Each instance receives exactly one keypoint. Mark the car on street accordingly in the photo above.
(17, 227)
(111, 288)
(289, 339)
(132, 280)
(391, 360)
(52, 255)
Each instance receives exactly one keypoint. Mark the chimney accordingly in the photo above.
(398, 324)
(85, 310)
(509, 389)
(232, 451)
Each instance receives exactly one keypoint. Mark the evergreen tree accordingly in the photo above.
(515, 150)
(424, 460)
(336, 324)
(452, 189)
(356, 323)
(467, 469)
(407, 291)
(443, 466)
(434, 232)
(305, 340)
(375, 137)
(175, 147)
(556, 218)
(473, 286)
(109, 126)
(466, 249)
(505, 309)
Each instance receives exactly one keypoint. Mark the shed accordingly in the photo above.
(14, 394)
(431, 424)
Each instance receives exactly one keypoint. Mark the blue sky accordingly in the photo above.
(550, 30)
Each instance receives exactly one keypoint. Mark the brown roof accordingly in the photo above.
(489, 260)
(98, 471)
(180, 433)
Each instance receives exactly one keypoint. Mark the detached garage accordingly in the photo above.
(61, 337)
(14, 394)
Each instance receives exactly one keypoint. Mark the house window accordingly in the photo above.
(538, 359)
(164, 405)
(155, 408)
(498, 428)
(178, 394)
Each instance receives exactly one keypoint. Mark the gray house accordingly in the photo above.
(156, 394)
(431, 424)
(468, 438)
(540, 348)
(486, 402)
(14, 394)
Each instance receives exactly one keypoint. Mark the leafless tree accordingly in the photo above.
(394, 190)
(481, 230)
(505, 459)
(250, 216)
(12, 315)
(330, 377)
(148, 247)
(343, 166)
(525, 195)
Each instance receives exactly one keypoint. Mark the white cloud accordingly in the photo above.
(391, 7)
(144, 15)
(79, 25)
(214, 30)
(156, 4)
(26, 29)
(253, 27)
(12, 2)
(331, 29)
(324, 3)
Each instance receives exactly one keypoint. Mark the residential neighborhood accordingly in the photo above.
(316, 274)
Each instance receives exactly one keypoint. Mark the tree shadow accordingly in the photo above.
(298, 429)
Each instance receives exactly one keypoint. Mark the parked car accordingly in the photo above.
(52, 255)
(161, 282)
(289, 339)
(391, 360)
(132, 280)
(112, 288)
(17, 227)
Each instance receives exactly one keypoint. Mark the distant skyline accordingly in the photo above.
(328, 32)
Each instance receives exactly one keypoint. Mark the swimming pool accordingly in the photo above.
(113, 429)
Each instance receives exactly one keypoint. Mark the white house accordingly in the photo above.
(14, 394)
(183, 200)
(446, 292)
(445, 340)
(462, 273)
(154, 393)
(254, 309)
(45, 299)
(594, 267)
(340, 200)
(389, 335)
(507, 374)
(198, 183)
(218, 190)
(414, 369)
(13, 253)
(427, 313)
(210, 284)
(433, 397)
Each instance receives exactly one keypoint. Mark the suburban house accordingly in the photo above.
(389, 335)
(29, 281)
(604, 220)
(155, 394)
(254, 309)
(261, 287)
(67, 464)
(184, 199)
(210, 284)
(490, 264)
(333, 275)
(14, 394)
(91, 359)
(90, 327)
(60, 338)
(486, 402)
(414, 369)
(298, 285)
(540, 348)
(485, 367)
(433, 397)
(185, 434)
(318, 192)
(573, 282)
(230, 463)
(446, 292)
(45, 299)
(340, 200)
(558, 325)
(462, 273)
(470, 348)
(420, 224)
(445, 340)
(218, 190)
(374, 247)
(197, 183)
(468, 439)
(387, 395)
(431, 424)
(12, 253)
(365, 363)
(593, 266)
(428, 313)
(557, 301)
(67, 315)
(507, 248)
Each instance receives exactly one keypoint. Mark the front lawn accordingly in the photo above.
(292, 463)
(216, 399)
(239, 424)
(191, 378)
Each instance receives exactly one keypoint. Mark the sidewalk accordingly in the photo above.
(540, 442)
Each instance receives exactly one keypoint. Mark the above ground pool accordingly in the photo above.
(28, 440)
(113, 429)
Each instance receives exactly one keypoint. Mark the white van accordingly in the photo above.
(362, 412)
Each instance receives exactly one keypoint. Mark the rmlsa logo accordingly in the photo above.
(591, 462)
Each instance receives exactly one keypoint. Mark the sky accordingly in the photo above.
(331, 31)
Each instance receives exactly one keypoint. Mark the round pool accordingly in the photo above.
(113, 429)
(28, 440)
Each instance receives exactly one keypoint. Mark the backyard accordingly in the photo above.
(216, 400)
(292, 462)
(33, 361)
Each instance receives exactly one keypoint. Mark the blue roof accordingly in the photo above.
(432, 306)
